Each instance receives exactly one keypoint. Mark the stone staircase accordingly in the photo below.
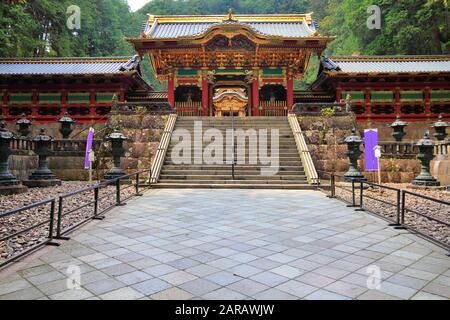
(198, 174)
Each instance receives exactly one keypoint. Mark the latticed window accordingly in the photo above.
(412, 109)
(383, 109)
(440, 109)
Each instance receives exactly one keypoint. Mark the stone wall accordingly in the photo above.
(324, 134)
(145, 132)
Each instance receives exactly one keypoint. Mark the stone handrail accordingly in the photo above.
(396, 149)
(59, 147)
(162, 149)
(305, 155)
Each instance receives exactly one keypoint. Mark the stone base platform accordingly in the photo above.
(13, 189)
(42, 183)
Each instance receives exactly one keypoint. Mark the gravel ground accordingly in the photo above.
(41, 215)
(384, 203)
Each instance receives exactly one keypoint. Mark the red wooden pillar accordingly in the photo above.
(5, 104)
(34, 104)
(63, 103)
(92, 101)
(339, 94)
(368, 110)
(171, 92)
(122, 95)
(205, 97)
(427, 101)
(290, 93)
(255, 97)
(397, 106)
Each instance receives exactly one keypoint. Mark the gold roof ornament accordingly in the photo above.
(230, 16)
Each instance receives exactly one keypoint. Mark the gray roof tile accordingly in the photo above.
(399, 64)
(185, 29)
(63, 66)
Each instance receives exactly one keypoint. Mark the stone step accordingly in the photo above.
(208, 176)
(230, 181)
(219, 185)
(257, 171)
(202, 167)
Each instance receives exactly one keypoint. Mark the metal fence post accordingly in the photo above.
(96, 193)
(397, 222)
(361, 196)
(401, 219)
(353, 195)
(51, 226)
(137, 185)
(333, 185)
(59, 222)
(118, 202)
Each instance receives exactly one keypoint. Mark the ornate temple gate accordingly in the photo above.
(263, 54)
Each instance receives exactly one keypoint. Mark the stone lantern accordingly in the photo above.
(439, 129)
(353, 152)
(117, 151)
(426, 150)
(8, 182)
(66, 125)
(42, 176)
(398, 126)
(24, 125)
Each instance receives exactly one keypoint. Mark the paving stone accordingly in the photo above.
(248, 287)
(315, 279)
(376, 295)
(199, 287)
(104, 286)
(325, 295)
(74, 294)
(126, 293)
(397, 290)
(346, 289)
(407, 281)
(223, 278)
(224, 294)
(184, 263)
(15, 285)
(296, 288)
(438, 289)
(159, 270)
(274, 294)
(46, 277)
(172, 294)
(152, 286)
(118, 269)
(427, 296)
(24, 294)
(287, 271)
(134, 277)
(178, 277)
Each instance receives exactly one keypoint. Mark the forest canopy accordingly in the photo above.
(38, 28)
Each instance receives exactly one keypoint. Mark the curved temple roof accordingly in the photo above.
(68, 66)
(173, 27)
(387, 64)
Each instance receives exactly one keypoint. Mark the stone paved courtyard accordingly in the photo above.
(233, 244)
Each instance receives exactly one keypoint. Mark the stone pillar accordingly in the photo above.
(42, 176)
(426, 150)
(8, 182)
(353, 152)
(117, 151)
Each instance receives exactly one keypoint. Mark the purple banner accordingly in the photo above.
(90, 139)
(370, 142)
